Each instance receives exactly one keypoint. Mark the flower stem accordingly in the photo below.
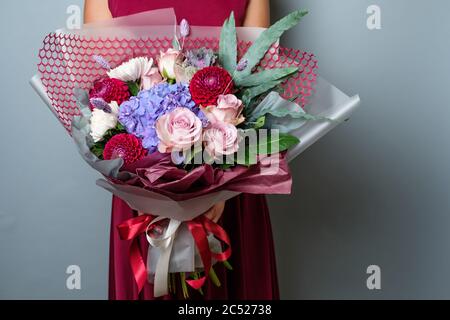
(196, 276)
(169, 283)
(228, 265)
(214, 278)
(184, 285)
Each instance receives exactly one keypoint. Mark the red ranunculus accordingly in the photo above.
(208, 84)
(110, 89)
(125, 146)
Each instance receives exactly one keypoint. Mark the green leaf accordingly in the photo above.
(258, 124)
(268, 75)
(226, 166)
(97, 150)
(120, 127)
(286, 142)
(273, 143)
(258, 50)
(228, 45)
(134, 88)
(277, 143)
(98, 147)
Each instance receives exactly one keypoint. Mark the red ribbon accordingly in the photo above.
(131, 230)
(199, 227)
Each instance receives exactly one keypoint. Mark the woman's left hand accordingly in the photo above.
(215, 213)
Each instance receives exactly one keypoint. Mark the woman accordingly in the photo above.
(245, 218)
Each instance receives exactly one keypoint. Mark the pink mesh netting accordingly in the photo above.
(65, 63)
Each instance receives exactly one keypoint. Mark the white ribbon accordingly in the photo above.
(165, 245)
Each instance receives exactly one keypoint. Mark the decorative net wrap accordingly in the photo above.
(66, 62)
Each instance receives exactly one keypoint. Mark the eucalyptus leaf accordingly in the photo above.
(83, 103)
(281, 114)
(264, 76)
(228, 45)
(253, 92)
(258, 50)
(82, 97)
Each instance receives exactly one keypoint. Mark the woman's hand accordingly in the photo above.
(215, 213)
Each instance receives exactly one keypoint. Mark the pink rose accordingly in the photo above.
(221, 139)
(167, 62)
(229, 109)
(178, 130)
(150, 79)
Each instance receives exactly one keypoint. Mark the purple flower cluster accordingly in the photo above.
(200, 58)
(139, 114)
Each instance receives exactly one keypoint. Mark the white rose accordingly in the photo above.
(132, 70)
(167, 62)
(102, 121)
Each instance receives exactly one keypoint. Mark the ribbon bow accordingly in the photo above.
(199, 227)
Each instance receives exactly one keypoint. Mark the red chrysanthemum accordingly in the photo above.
(125, 146)
(208, 84)
(110, 90)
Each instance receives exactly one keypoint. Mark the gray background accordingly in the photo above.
(374, 191)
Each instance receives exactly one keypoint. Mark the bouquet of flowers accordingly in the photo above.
(178, 123)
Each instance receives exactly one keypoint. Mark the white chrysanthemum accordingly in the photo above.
(132, 70)
(102, 121)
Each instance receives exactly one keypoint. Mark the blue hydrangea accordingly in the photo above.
(139, 114)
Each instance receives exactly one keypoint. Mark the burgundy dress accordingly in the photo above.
(246, 217)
